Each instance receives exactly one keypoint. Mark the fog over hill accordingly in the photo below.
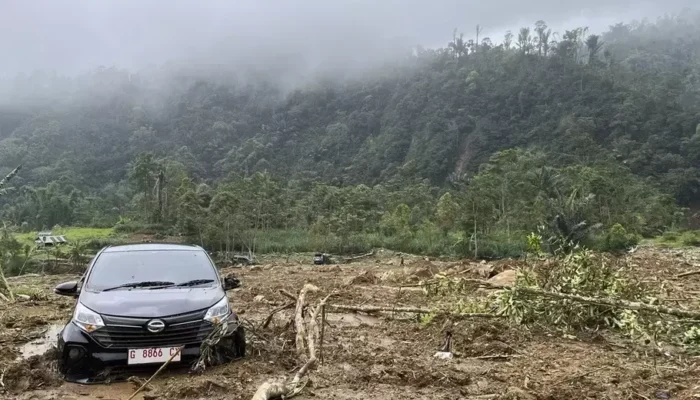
(72, 36)
(354, 117)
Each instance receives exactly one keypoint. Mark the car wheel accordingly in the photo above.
(239, 342)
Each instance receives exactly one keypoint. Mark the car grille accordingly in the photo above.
(128, 332)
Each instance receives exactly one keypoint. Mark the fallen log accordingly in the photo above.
(10, 294)
(412, 310)
(299, 318)
(617, 303)
(361, 256)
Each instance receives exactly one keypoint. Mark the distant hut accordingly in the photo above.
(48, 239)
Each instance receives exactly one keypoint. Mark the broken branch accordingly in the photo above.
(288, 295)
(157, 372)
(629, 305)
(275, 311)
(689, 273)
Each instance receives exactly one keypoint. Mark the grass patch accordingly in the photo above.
(678, 239)
(72, 234)
(423, 242)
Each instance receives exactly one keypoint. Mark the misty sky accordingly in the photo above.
(71, 36)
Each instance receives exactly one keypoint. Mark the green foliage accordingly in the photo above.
(534, 244)
(578, 272)
(617, 239)
(447, 211)
(583, 273)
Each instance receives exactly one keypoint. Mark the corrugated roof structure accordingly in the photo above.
(48, 239)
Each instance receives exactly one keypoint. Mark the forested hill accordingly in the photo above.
(629, 98)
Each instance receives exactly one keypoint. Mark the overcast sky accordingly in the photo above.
(71, 36)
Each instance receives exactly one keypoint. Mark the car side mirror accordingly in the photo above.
(231, 282)
(67, 289)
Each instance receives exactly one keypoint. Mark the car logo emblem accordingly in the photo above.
(155, 326)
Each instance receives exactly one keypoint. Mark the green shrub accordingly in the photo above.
(690, 239)
(670, 236)
(617, 239)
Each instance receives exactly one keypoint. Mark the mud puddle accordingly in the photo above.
(41, 345)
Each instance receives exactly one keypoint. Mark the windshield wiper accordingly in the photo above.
(140, 284)
(195, 282)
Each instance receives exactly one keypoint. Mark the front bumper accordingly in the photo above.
(82, 359)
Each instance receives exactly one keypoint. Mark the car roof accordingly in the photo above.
(151, 247)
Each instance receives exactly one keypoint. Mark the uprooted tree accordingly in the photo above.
(577, 289)
(8, 295)
(307, 338)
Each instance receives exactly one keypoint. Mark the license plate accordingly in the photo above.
(152, 355)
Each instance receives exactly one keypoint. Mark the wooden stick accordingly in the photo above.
(275, 311)
(689, 273)
(323, 329)
(494, 357)
(581, 375)
(288, 295)
(157, 372)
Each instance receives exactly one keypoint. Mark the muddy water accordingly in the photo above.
(42, 344)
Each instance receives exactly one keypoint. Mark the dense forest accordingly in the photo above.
(458, 150)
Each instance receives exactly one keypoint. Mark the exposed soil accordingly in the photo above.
(381, 357)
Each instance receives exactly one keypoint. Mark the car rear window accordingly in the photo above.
(116, 268)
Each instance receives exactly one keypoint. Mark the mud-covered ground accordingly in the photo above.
(379, 357)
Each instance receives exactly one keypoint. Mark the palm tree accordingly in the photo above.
(524, 40)
(594, 45)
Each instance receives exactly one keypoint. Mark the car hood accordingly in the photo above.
(151, 303)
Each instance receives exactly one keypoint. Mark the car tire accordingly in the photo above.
(239, 342)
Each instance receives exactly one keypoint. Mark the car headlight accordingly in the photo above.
(218, 312)
(86, 319)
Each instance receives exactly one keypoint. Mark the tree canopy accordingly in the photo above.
(543, 128)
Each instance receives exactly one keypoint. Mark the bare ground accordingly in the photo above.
(382, 357)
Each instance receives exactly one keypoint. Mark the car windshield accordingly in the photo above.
(118, 268)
